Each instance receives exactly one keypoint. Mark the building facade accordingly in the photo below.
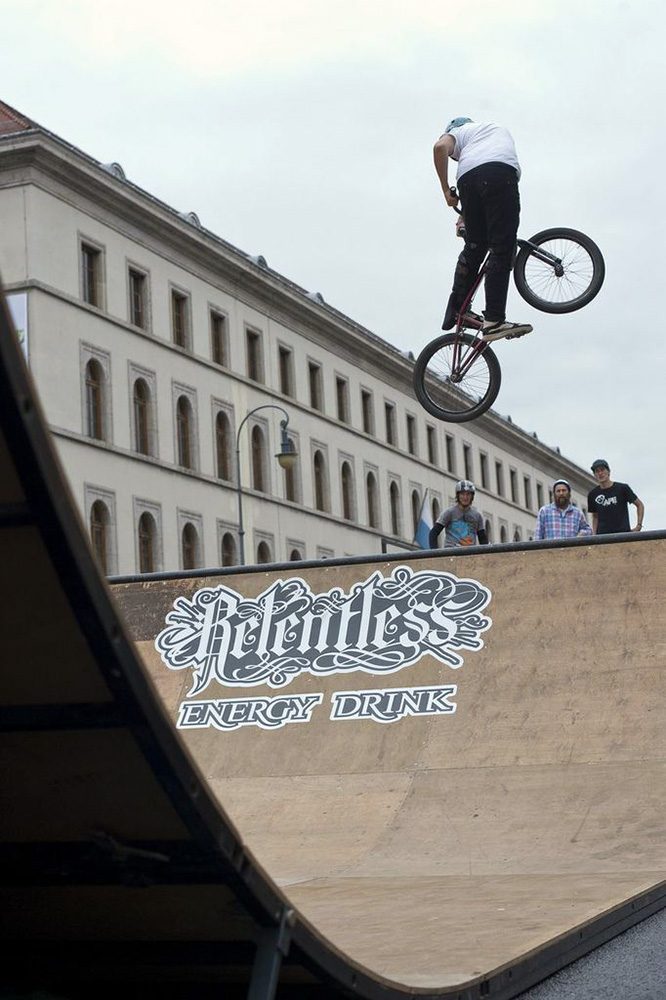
(160, 350)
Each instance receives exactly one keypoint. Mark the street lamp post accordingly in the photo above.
(286, 458)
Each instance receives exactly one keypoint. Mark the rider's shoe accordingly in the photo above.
(450, 317)
(499, 329)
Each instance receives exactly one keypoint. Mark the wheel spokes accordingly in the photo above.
(462, 373)
(577, 266)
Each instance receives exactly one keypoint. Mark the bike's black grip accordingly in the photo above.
(454, 194)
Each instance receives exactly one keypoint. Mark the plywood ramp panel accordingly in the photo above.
(436, 848)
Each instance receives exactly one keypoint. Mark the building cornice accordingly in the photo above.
(236, 272)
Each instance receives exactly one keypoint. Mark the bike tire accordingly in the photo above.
(583, 276)
(456, 402)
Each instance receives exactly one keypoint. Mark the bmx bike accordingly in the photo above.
(457, 376)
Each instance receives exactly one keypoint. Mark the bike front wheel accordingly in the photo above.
(457, 377)
(561, 271)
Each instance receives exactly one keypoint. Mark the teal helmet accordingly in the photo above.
(455, 123)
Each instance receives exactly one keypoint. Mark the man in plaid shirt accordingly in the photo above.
(561, 519)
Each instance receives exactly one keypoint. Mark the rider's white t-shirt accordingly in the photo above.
(483, 142)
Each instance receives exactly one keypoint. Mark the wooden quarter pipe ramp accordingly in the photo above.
(478, 805)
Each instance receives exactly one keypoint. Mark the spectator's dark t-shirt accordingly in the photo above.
(611, 508)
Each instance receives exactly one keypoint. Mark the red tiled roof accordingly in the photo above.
(12, 121)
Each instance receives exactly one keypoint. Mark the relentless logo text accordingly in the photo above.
(380, 626)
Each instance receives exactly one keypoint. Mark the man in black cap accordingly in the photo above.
(608, 503)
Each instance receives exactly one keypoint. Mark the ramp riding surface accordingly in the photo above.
(437, 848)
(413, 844)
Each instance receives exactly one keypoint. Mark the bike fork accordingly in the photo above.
(464, 356)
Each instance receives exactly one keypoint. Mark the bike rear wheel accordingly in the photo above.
(566, 284)
(457, 377)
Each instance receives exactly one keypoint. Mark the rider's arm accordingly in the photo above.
(640, 512)
(482, 536)
(444, 148)
(435, 532)
(594, 523)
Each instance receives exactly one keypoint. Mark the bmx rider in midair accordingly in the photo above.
(487, 179)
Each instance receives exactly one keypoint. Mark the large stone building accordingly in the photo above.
(151, 340)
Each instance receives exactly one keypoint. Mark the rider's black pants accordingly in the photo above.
(491, 207)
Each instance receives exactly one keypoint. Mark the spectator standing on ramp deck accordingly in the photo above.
(487, 178)
(561, 518)
(463, 522)
(609, 502)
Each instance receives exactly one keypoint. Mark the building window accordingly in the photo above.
(295, 555)
(228, 553)
(431, 436)
(483, 462)
(99, 533)
(389, 411)
(138, 299)
(223, 446)
(258, 444)
(91, 275)
(95, 388)
(513, 484)
(180, 319)
(190, 546)
(348, 505)
(527, 486)
(394, 502)
(142, 417)
(147, 521)
(412, 443)
(342, 398)
(416, 509)
(263, 553)
(450, 453)
(372, 499)
(320, 481)
(255, 364)
(147, 534)
(184, 432)
(539, 489)
(286, 365)
(218, 339)
(291, 477)
(499, 477)
(314, 378)
(435, 508)
(516, 535)
(367, 410)
(503, 534)
(489, 530)
(467, 461)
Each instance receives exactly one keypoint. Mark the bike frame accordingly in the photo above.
(464, 355)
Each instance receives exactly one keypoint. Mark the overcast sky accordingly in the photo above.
(303, 131)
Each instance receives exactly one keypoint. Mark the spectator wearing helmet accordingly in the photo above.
(609, 502)
(487, 177)
(561, 518)
(462, 522)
